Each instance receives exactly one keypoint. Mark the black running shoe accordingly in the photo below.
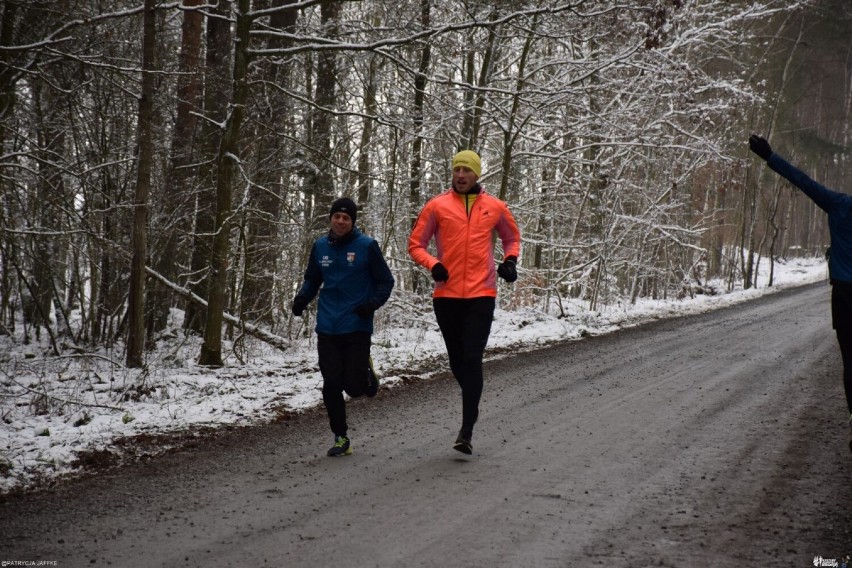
(463, 444)
(340, 447)
(373, 380)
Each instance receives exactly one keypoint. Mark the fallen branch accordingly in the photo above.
(270, 338)
(60, 400)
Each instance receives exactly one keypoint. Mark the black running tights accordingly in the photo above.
(343, 360)
(466, 325)
(844, 338)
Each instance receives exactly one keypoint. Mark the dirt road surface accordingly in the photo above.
(711, 440)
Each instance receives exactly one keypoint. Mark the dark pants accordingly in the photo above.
(465, 325)
(844, 338)
(344, 361)
(841, 321)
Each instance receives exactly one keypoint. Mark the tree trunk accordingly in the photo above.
(139, 242)
(420, 82)
(262, 240)
(717, 238)
(9, 246)
(226, 161)
(216, 97)
(370, 110)
(320, 182)
(484, 78)
(509, 133)
(50, 201)
(176, 194)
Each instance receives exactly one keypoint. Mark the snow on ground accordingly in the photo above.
(54, 408)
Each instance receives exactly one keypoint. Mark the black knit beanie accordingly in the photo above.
(344, 205)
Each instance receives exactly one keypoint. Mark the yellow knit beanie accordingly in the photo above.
(468, 159)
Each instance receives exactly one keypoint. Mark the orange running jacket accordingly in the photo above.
(463, 242)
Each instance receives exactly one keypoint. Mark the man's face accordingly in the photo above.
(464, 179)
(341, 224)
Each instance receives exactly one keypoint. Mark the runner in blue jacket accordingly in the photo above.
(355, 281)
(838, 206)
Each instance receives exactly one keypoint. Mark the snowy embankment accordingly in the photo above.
(55, 410)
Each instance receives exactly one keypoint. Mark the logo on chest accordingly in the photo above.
(350, 258)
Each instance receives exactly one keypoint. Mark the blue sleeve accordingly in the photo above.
(313, 276)
(826, 199)
(380, 274)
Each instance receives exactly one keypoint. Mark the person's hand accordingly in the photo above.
(299, 305)
(365, 310)
(507, 270)
(760, 146)
(439, 273)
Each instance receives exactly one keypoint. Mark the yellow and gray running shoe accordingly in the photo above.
(340, 447)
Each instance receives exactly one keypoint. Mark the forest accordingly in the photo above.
(163, 159)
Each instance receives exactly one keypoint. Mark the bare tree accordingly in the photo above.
(319, 186)
(227, 161)
(169, 250)
(615, 131)
(420, 83)
(265, 200)
(217, 85)
(136, 299)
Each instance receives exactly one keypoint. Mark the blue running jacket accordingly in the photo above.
(352, 272)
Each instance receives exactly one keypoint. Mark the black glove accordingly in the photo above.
(299, 305)
(760, 146)
(365, 310)
(439, 273)
(507, 270)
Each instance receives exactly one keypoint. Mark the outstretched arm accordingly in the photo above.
(825, 198)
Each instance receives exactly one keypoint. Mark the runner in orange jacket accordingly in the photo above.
(462, 220)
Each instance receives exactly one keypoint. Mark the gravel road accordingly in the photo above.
(710, 440)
